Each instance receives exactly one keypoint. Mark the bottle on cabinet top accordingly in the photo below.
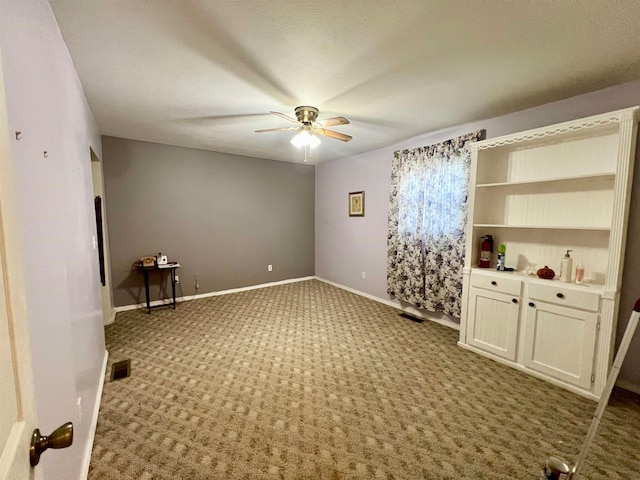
(502, 252)
(579, 273)
(566, 267)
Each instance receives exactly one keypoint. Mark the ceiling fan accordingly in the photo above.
(306, 122)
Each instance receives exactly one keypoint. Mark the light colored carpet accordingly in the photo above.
(308, 381)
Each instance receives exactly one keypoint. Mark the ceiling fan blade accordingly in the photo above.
(286, 117)
(281, 129)
(332, 134)
(332, 122)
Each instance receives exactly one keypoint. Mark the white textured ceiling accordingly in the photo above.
(204, 73)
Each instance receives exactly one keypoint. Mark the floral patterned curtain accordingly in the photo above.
(427, 218)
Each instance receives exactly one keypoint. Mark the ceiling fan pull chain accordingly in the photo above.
(307, 153)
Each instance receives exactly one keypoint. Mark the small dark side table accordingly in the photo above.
(169, 266)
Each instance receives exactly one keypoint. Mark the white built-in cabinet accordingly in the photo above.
(540, 193)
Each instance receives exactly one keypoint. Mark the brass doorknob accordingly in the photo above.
(62, 437)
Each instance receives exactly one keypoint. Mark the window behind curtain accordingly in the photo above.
(427, 218)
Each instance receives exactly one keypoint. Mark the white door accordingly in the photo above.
(560, 342)
(493, 322)
(17, 407)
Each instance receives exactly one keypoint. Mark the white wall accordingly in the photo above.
(46, 103)
(346, 247)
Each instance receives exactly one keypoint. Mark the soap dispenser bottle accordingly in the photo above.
(566, 268)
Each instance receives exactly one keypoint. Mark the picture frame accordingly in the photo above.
(356, 204)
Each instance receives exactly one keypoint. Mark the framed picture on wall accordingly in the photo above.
(356, 204)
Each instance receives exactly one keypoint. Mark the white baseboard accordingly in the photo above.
(408, 309)
(632, 387)
(212, 294)
(86, 461)
(112, 317)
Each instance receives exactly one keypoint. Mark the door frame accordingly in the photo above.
(97, 179)
(14, 459)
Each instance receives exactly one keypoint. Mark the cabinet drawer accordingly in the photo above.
(568, 297)
(497, 283)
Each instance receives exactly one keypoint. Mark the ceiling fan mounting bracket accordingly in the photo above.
(306, 115)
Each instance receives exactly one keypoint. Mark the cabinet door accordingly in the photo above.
(560, 342)
(493, 322)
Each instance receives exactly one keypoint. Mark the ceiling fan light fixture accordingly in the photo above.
(304, 138)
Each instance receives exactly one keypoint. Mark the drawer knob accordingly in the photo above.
(560, 295)
(514, 300)
(494, 283)
(531, 304)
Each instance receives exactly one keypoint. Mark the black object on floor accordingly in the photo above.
(413, 318)
(121, 369)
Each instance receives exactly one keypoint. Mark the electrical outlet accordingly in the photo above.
(364, 275)
(269, 268)
(177, 279)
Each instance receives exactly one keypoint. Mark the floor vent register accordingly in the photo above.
(121, 369)
(413, 318)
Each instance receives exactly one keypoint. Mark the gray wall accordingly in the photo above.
(223, 217)
(56, 224)
(346, 246)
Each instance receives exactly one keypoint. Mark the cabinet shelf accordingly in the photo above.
(542, 227)
(560, 182)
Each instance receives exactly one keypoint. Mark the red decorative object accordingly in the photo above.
(546, 273)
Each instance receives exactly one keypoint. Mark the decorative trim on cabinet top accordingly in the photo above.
(559, 129)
